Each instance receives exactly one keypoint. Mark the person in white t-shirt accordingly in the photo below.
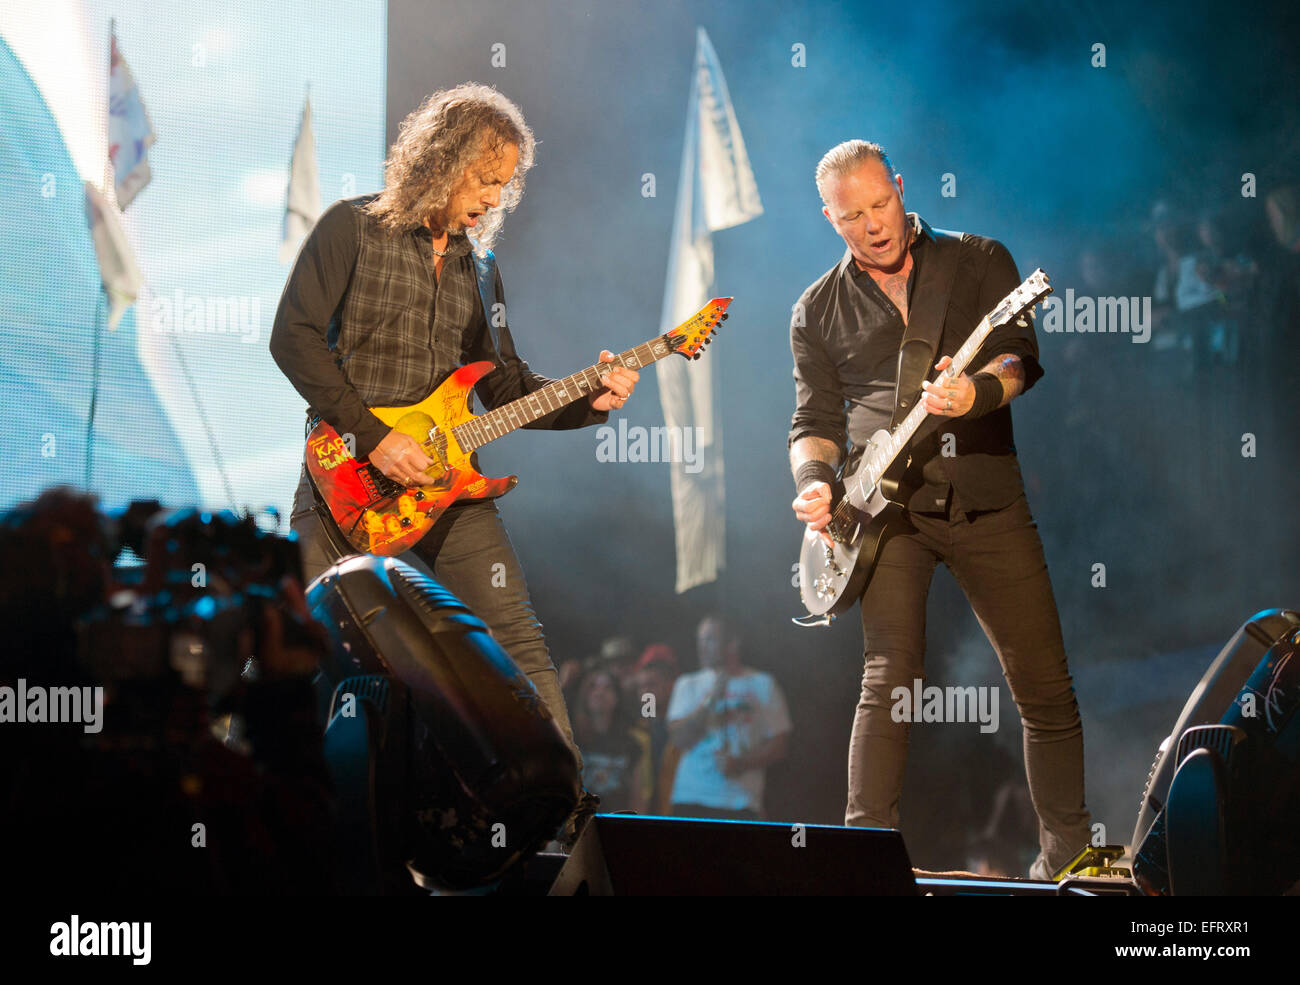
(731, 723)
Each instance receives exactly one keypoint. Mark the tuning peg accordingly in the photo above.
(724, 316)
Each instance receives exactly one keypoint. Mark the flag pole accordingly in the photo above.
(94, 394)
(88, 467)
(109, 192)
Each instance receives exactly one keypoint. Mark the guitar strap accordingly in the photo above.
(924, 331)
(485, 269)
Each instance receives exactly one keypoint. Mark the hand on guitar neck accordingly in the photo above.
(619, 384)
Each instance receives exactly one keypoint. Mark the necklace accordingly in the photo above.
(437, 252)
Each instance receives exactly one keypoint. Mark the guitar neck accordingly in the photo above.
(510, 417)
(859, 491)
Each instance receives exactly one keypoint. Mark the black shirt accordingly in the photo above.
(845, 336)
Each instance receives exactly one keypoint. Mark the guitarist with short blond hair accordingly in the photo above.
(391, 295)
(904, 298)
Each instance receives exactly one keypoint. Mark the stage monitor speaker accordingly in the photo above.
(1213, 695)
(1228, 822)
(627, 855)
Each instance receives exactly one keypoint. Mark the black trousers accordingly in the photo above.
(468, 552)
(997, 559)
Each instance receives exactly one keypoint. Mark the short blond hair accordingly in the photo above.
(844, 157)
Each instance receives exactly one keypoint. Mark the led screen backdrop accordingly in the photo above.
(188, 406)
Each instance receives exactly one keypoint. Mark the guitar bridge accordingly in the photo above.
(377, 485)
(842, 532)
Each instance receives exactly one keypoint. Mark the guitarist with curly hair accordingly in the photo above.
(392, 294)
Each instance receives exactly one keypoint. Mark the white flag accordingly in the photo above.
(302, 207)
(130, 132)
(117, 267)
(716, 191)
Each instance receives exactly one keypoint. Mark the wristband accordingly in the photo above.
(988, 395)
(814, 470)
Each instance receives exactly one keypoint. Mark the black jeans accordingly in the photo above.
(469, 553)
(997, 559)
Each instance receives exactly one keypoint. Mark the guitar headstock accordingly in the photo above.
(1022, 300)
(691, 336)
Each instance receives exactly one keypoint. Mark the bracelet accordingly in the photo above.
(988, 395)
(814, 470)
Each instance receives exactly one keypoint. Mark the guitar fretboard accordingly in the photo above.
(510, 417)
(858, 491)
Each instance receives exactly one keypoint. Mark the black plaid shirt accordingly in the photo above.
(363, 322)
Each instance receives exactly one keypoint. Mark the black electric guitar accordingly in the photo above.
(832, 577)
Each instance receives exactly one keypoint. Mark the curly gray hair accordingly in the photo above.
(451, 130)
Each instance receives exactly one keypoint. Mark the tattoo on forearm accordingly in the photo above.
(1011, 371)
(808, 448)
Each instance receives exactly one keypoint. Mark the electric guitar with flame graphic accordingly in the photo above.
(383, 517)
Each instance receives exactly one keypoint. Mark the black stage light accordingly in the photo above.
(1223, 798)
(449, 767)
